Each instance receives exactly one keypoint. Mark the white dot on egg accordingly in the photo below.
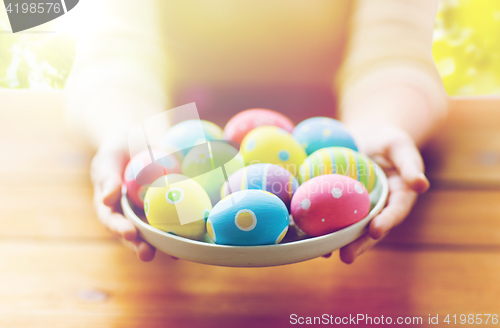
(305, 203)
(355, 211)
(322, 220)
(336, 192)
(358, 188)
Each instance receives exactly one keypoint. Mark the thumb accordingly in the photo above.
(111, 189)
(406, 157)
(107, 167)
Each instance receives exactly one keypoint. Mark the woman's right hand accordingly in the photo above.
(106, 171)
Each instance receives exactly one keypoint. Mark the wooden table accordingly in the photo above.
(60, 268)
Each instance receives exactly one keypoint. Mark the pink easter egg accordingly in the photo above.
(242, 123)
(141, 171)
(328, 203)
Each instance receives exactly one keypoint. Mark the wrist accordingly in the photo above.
(396, 107)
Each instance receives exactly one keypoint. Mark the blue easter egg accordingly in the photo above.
(248, 217)
(187, 134)
(321, 132)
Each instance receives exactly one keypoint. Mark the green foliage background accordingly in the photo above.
(36, 59)
(466, 50)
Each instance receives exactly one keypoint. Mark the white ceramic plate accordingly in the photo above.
(258, 256)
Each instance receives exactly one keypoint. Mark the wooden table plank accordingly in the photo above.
(466, 151)
(452, 217)
(441, 217)
(51, 282)
(60, 268)
(37, 147)
(49, 212)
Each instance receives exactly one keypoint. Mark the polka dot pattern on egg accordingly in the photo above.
(336, 192)
(174, 196)
(270, 144)
(175, 203)
(248, 217)
(333, 203)
(284, 155)
(142, 170)
(206, 212)
(305, 203)
(282, 235)
(210, 230)
(245, 220)
(250, 145)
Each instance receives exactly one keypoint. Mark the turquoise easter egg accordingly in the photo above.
(210, 165)
(321, 132)
(248, 217)
(187, 134)
(339, 160)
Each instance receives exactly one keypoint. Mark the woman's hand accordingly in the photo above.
(107, 172)
(396, 153)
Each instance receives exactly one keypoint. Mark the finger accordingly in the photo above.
(116, 222)
(407, 160)
(142, 249)
(401, 200)
(127, 232)
(112, 189)
(106, 172)
(350, 252)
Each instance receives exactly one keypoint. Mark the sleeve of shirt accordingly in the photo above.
(119, 76)
(390, 43)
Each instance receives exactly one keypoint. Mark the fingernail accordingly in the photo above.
(422, 177)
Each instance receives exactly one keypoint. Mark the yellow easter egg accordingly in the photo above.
(270, 144)
(177, 204)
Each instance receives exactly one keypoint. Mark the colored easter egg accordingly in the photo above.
(242, 123)
(270, 144)
(339, 160)
(248, 217)
(190, 133)
(328, 203)
(267, 177)
(141, 171)
(177, 204)
(321, 132)
(211, 164)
